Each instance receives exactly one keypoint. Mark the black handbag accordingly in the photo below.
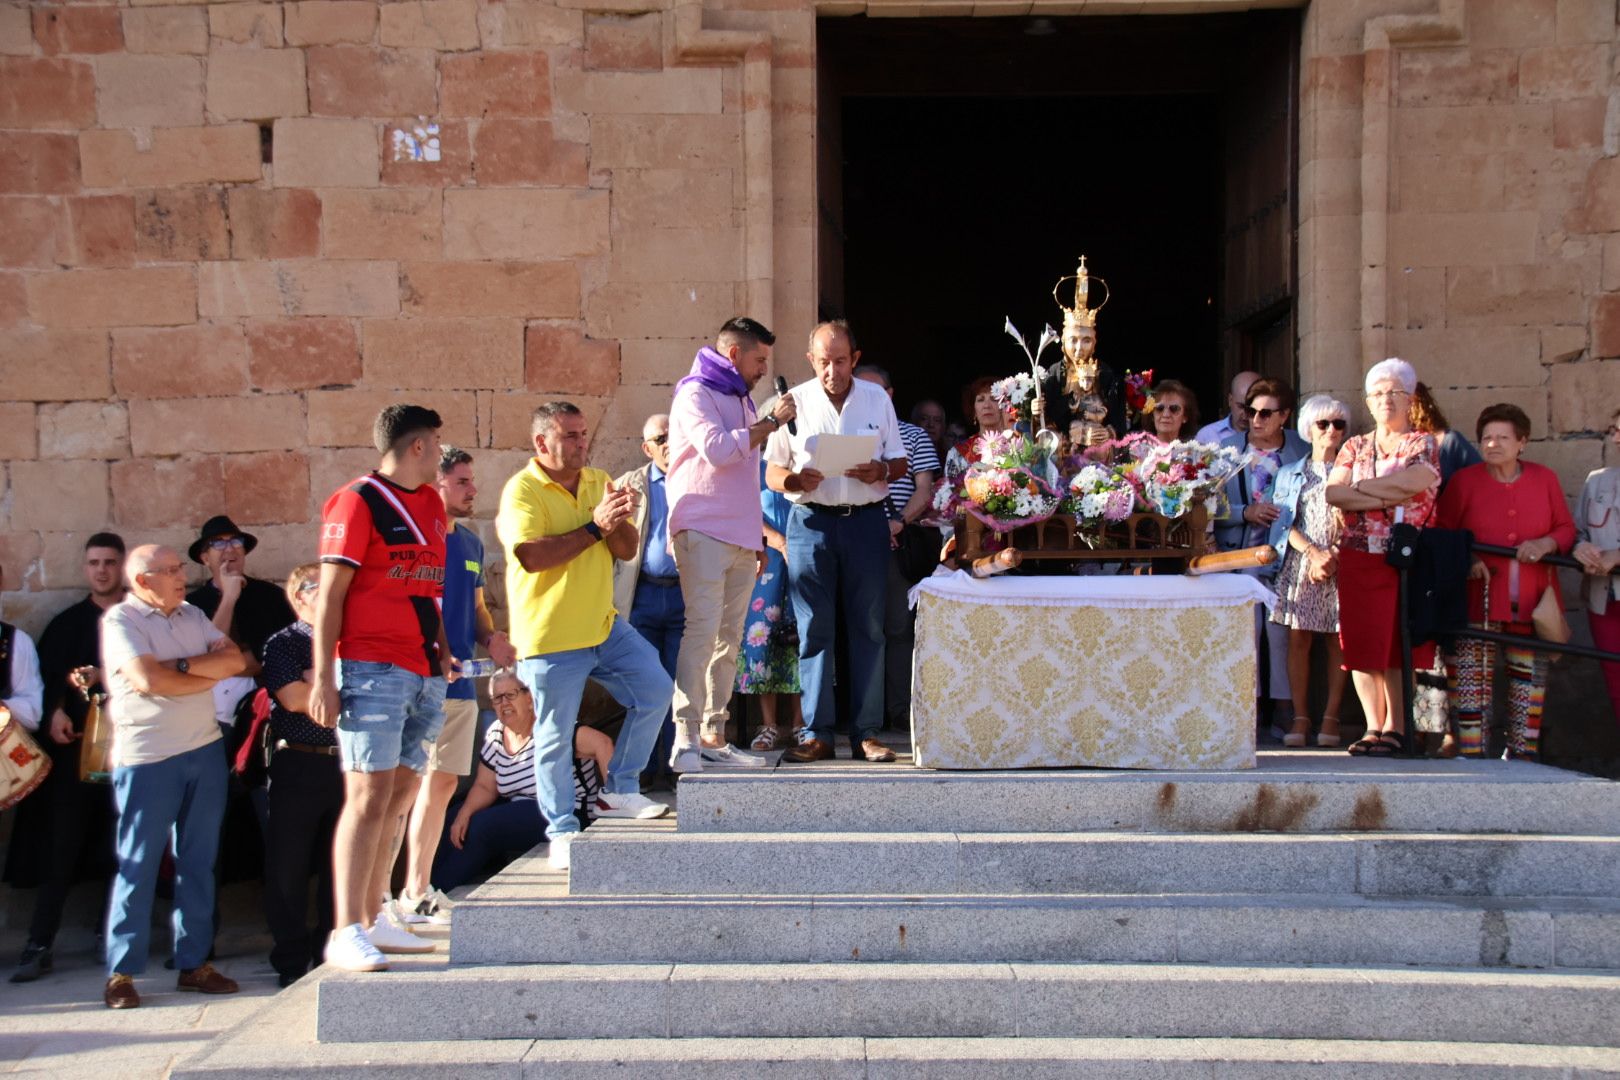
(1403, 546)
(918, 551)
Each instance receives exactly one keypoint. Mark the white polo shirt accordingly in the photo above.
(867, 411)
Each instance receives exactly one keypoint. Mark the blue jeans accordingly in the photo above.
(833, 560)
(659, 614)
(389, 716)
(180, 798)
(510, 825)
(626, 667)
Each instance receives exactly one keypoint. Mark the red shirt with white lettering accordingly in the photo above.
(394, 539)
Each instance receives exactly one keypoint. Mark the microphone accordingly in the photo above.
(781, 391)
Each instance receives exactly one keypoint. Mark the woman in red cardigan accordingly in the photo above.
(1517, 504)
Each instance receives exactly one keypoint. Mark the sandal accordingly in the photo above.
(1363, 746)
(1448, 746)
(766, 740)
(1297, 738)
(1389, 744)
(1327, 738)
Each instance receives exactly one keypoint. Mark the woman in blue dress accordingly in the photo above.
(769, 664)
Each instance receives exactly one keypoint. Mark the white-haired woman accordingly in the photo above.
(1387, 476)
(1306, 535)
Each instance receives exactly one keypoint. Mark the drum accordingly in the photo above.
(23, 767)
(95, 747)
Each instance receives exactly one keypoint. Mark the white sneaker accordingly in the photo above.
(558, 857)
(432, 908)
(351, 950)
(633, 805)
(730, 755)
(388, 936)
(401, 915)
(686, 760)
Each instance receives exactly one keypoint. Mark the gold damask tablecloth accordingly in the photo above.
(1153, 672)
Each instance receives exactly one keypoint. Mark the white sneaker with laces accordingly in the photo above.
(558, 857)
(434, 907)
(730, 755)
(390, 937)
(351, 950)
(633, 805)
(401, 915)
(686, 760)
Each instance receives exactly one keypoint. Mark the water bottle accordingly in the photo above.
(475, 669)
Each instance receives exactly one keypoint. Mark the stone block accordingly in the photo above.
(658, 309)
(256, 84)
(334, 468)
(54, 365)
(1584, 21)
(563, 360)
(58, 495)
(100, 231)
(205, 360)
(446, 25)
(678, 255)
(1572, 458)
(166, 30)
(1486, 355)
(624, 42)
(220, 153)
(1417, 297)
(326, 153)
(280, 223)
(1462, 239)
(298, 287)
(258, 25)
(345, 418)
(150, 493)
(1600, 208)
(78, 30)
(216, 425)
(402, 223)
(1582, 395)
(1459, 76)
(330, 22)
(177, 224)
(46, 92)
(525, 224)
(453, 169)
(1541, 293)
(1611, 263)
(495, 84)
(1561, 344)
(1578, 125)
(678, 90)
(657, 361)
(301, 354)
(267, 488)
(665, 198)
(29, 230)
(47, 163)
(16, 31)
(512, 151)
(1545, 181)
(347, 80)
(1564, 72)
(1511, 23)
(1472, 129)
(83, 429)
(13, 299)
(1606, 325)
(511, 424)
(661, 142)
(530, 289)
(150, 296)
(520, 23)
(134, 90)
(443, 353)
(19, 439)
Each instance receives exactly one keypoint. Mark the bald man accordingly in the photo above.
(162, 657)
(1235, 420)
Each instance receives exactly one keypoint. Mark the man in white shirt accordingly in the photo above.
(1235, 420)
(21, 689)
(838, 541)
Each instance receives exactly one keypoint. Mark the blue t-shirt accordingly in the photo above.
(463, 577)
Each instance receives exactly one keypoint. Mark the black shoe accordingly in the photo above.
(35, 961)
(287, 978)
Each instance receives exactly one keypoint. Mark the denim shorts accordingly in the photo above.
(389, 716)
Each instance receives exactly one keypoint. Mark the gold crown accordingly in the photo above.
(1082, 313)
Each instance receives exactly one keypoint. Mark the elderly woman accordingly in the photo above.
(1171, 417)
(1517, 504)
(1305, 532)
(987, 415)
(500, 815)
(1250, 514)
(1597, 524)
(1381, 479)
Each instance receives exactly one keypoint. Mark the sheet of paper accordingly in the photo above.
(832, 455)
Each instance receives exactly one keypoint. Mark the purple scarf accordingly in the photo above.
(715, 371)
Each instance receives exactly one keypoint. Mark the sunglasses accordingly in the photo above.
(1260, 414)
(1171, 409)
(225, 543)
(659, 440)
(1336, 424)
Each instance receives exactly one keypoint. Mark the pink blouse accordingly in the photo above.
(1368, 530)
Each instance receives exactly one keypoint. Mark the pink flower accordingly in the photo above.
(773, 613)
(758, 604)
(758, 635)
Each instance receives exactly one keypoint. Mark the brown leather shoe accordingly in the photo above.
(206, 980)
(872, 750)
(814, 750)
(120, 993)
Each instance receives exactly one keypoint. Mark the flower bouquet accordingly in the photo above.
(1173, 478)
(1016, 396)
(1098, 495)
(1137, 398)
(1012, 483)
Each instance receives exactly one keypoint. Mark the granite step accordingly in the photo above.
(551, 1001)
(1290, 791)
(609, 861)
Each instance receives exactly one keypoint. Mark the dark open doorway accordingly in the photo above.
(967, 163)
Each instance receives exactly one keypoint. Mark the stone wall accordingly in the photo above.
(219, 257)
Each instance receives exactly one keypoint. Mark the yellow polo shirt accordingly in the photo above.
(568, 606)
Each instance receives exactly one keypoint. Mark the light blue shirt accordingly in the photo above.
(656, 561)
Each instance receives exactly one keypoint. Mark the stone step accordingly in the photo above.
(552, 1001)
(613, 861)
(517, 924)
(1290, 791)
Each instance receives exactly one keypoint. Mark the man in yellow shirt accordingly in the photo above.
(562, 525)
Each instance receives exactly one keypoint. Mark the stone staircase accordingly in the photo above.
(1318, 916)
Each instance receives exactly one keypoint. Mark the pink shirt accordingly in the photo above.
(713, 479)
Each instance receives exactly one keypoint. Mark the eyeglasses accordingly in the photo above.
(175, 569)
(1260, 414)
(225, 543)
(1382, 394)
(659, 440)
(1172, 408)
(308, 586)
(1337, 424)
(510, 696)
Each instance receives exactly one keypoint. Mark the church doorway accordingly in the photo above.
(966, 164)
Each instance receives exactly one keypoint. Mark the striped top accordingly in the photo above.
(514, 773)
(920, 457)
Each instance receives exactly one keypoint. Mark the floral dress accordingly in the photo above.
(769, 662)
(1302, 604)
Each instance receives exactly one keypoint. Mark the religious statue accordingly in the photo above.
(1090, 427)
(1090, 386)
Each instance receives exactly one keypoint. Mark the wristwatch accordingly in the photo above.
(774, 421)
(594, 529)
(182, 665)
